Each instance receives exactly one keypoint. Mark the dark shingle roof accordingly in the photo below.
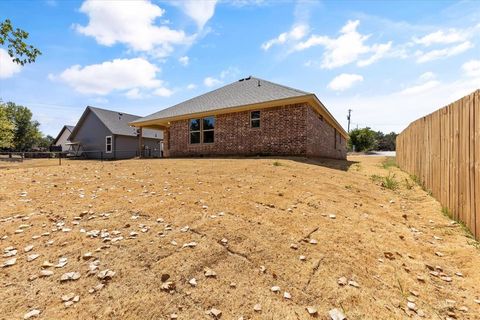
(65, 127)
(239, 93)
(118, 123)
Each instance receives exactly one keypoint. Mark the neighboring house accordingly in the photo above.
(250, 117)
(106, 134)
(63, 138)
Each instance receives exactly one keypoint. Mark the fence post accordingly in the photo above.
(101, 156)
(59, 159)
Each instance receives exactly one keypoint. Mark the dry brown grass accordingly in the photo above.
(268, 204)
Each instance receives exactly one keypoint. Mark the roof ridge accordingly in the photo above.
(229, 84)
(203, 94)
(113, 111)
(283, 86)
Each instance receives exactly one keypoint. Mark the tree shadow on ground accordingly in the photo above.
(335, 164)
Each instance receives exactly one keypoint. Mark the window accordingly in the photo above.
(208, 129)
(202, 130)
(108, 144)
(255, 119)
(195, 131)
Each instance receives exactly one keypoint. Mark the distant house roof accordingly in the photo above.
(117, 123)
(239, 93)
(65, 127)
(249, 91)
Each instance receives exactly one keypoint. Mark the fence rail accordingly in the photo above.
(15, 158)
(442, 149)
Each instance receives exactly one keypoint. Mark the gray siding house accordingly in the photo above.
(63, 138)
(106, 134)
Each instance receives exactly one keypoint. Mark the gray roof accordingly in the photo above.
(65, 127)
(118, 123)
(239, 93)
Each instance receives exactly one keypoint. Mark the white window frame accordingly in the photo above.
(256, 119)
(107, 144)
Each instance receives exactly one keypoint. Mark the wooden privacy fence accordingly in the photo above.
(443, 150)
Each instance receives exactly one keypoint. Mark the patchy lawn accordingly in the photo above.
(149, 239)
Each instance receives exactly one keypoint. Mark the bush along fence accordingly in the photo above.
(442, 150)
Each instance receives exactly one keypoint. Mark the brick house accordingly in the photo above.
(249, 117)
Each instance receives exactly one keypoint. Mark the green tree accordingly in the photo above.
(362, 139)
(6, 129)
(18, 50)
(25, 133)
(386, 142)
(45, 142)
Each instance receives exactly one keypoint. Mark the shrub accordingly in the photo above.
(390, 182)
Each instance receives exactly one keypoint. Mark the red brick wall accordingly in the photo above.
(322, 139)
(284, 130)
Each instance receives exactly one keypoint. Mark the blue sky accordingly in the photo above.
(390, 62)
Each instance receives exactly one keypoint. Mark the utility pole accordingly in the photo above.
(348, 118)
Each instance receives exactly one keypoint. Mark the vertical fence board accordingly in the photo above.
(476, 108)
(471, 164)
(442, 149)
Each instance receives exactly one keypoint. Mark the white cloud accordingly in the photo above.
(191, 86)
(199, 10)
(472, 68)
(296, 33)
(118, 74)
(163, 92)
(131, 23)
(347, 48)
(244, 3)
(442, 37)
(394, 111)
(344, 81)
(427, 76)
(7, 67)
(379, 51)
(227, 74)
(420, 88)
(211, 82)
(185, 60)
(425, 83)
(134, 94)
(423, 57)
(100, 100)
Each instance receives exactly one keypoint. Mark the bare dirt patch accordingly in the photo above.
(264, 239)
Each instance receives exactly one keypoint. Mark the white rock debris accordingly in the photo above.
(9, 262)
(336, 314)
(209, 273)
(32, 314)
(32, 257)
(106, 274)
(312, 310)
(70, 276)
(275, 289)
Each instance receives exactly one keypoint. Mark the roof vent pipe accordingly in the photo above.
(259, 83)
